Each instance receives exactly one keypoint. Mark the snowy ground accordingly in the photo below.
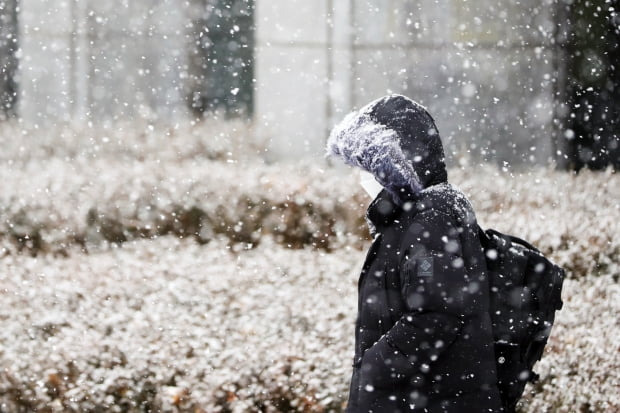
(258, 314)
(173, 325)
(170, 322)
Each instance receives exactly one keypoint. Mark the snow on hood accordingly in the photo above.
(395, 139)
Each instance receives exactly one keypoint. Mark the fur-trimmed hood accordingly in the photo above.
(395, 139)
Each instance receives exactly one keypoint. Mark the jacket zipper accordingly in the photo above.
(373, 248)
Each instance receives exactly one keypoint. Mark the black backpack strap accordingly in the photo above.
(511, 238)
(484, 238)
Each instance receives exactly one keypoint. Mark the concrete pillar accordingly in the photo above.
(292, 80)
(45, 71)
(138, 54)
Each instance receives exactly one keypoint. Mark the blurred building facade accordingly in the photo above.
(485, 70)
(491, 73)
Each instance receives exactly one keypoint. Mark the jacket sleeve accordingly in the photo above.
(433, 277)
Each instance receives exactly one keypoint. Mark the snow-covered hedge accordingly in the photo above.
(138, 139)
(174, 326)
(48, 204)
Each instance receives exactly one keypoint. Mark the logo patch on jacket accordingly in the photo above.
(425, 267)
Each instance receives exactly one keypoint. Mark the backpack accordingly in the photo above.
(525, 292)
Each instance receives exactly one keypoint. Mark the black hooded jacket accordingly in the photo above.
(423, 339)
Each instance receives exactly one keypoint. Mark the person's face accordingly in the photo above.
(369, 183)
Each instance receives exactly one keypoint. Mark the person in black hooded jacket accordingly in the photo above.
(423, 338)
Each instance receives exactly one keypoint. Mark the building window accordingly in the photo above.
(221, 64)
(592, 137)
(8, 59)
